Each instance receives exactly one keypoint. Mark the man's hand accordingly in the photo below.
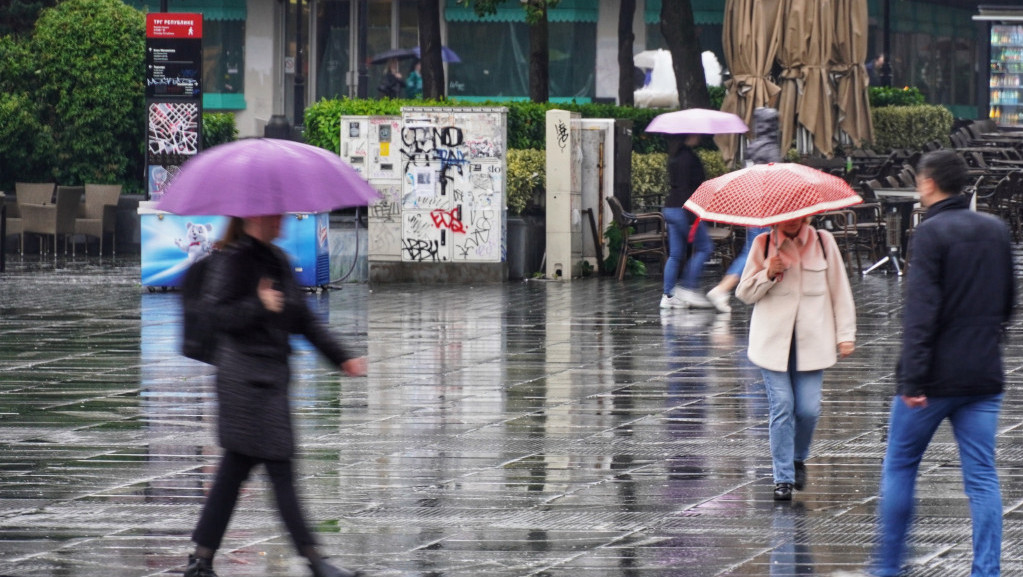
(846, 348)
(915, 402)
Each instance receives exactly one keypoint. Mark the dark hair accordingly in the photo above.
(946, 168)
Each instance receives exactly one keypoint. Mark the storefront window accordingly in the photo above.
(333, 40)
(502, 69)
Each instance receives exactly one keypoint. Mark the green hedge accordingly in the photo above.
(526, 120)
(887, 96)
(218, 128)
(910, 127)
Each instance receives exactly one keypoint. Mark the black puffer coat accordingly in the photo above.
(253, 348)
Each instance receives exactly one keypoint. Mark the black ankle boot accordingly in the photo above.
(783, 491)
(199, 567)
(321, 568)
(800, 476)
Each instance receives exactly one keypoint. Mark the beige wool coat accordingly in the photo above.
(811, 299)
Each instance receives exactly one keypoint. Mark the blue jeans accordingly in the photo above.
(740, 259)
(974, 420)
(679, 221)
(795, 404)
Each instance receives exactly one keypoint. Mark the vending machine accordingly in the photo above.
(1005, 66)
(1006, 71)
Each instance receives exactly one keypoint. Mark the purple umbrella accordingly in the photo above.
(263, 176)
(697, 121)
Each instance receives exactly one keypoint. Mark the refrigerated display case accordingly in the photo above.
(1006, 78)
(170, 243)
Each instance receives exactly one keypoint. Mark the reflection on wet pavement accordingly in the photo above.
(527, 428)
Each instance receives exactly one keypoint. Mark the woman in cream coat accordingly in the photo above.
(803, 318)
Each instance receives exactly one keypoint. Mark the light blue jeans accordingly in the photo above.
(740, 259)
(974, 421)
(794, 398)
(678, 220)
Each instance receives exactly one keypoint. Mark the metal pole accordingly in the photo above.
(363, 88)
(886, 68)
(299, 79)
(163, 5)
(3, 235)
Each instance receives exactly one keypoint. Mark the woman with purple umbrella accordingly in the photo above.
(685, 174)
(254, 301)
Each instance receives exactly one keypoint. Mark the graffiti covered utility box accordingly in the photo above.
(372, 145)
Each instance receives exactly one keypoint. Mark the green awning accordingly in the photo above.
(210, 9)
(705, 12)
(512, 11)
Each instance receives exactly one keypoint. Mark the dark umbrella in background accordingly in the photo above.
(446, 54)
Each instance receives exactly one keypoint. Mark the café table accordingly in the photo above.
(898, 206)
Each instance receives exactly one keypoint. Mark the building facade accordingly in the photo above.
(262, 57)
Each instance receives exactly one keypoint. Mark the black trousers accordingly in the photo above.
(233, 471)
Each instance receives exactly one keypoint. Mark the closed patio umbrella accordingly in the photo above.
(750, 43)
(847, 65)
(815, 105)
(791, 53)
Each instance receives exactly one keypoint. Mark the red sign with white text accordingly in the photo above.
(173, 25)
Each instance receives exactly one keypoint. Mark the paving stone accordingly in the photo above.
(526, 428)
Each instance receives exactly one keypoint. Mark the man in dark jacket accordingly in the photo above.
(959, 296)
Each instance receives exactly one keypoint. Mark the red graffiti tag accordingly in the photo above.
(447, 219)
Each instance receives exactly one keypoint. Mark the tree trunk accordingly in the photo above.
(539, 56)
(430, 48)
(679, 30)
(626, 66)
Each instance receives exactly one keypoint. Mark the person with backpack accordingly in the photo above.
(803, 311)
(252, 301)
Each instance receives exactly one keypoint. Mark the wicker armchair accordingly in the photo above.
(54, 219)
(97, 216)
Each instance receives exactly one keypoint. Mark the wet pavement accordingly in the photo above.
(520, 429)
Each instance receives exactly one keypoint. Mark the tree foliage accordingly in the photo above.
(18, 16)
(679, 29)
(90, 80)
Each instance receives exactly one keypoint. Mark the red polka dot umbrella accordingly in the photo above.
(769, 194)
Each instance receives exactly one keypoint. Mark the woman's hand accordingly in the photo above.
(272, 299)
(775, 267)
(355, 367)
(846, 348)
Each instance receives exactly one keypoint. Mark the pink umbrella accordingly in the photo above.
(769, 194)
(697, 121)
(263, 176)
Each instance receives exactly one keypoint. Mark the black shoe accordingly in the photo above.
(199, 567)
(321, 568)
(783, 491)
(800, 476)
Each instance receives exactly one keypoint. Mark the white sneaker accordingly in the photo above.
(693, 298)
(720, 300)
(675, 301)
